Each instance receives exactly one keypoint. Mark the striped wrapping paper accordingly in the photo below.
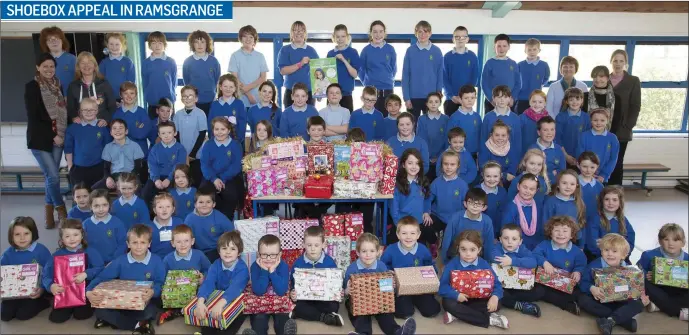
(231, 312)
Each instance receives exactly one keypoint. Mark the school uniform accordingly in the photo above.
(500, 72)
(117, 70)
(605, 145)
(529, 131)
(312, 310)
(362, 323)
(396, 256)
(459, 69)
(184, 201)
(161, 236)
(125, 267)
(293, 121)
(433, 129)
(203, 72)
(512, 121)
(568, 128)
(535, 75)
(24, 309)
(540, 195)
(107, 236)
(161, 166)
(378, 69)
(473, 311)
(556, 92)
(262, 282)
(554, 158)
(460, 222)
(596, 231)
(86, 141)
(370, 122)
(511, 215)
(260, 112)
(589, 194)
(207, 229)
(472, 124)
(521, 258)
(497, 200)
(131, 212)
(76, 213)
(622, 312)
(415, 204)
(467, 166)
(555, 205)
(233, 110)
(345, 80)
(159, 77)
(335, 116)
(670, 300)
(389, 127)
(94, 265)
(127, 157)
(232, 280)
(447, 197)
(570, 259)
(223, 160)
(194, 260)
(138, 125)
(64, 70)
(508, 162)
(422, 73)
(248, 66)
(192, 128)
(289, 55)
(153, 133)
(398, 146)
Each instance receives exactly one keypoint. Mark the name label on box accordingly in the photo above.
(385, 285)
(679, 273)
(622, 288)
(427, 274)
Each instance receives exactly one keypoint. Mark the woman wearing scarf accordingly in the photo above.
(89, 84)
(45, 132)
(602, 95)
(627, 90)
(569, 66)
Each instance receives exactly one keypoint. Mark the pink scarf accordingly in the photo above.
(535, 116)
(498, 150)
(528, 229)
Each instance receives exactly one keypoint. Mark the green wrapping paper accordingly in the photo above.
(670, 272)
(179, 288)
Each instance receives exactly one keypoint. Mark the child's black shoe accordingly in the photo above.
(332, 319)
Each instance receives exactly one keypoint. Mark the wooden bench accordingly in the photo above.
(644, 169)
(19, 171)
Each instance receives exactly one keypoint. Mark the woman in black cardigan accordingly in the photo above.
(45, 132)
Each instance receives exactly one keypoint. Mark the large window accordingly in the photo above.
(661, 62)
(550, 53)
(661, 109)
(590, 56)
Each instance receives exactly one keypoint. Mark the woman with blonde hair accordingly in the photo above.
(89, 84)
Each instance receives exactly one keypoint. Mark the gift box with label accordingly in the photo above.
(318, 186)
(318, 284)
(321, 158)
(387, 183)
(122, 294)
(289, 256)
(296, 166)
(366, 163)
(179, 288)
(475, 284)
(670, 272)
(354, 225)
(417, 280)
(560, 280)
(269, 303)
(294, 187)
(352, 189)
(515, 278)
(19, 281)
(230, 313)
(342, 154)
(619, 284)
(266, 181)
(285, 149)
(292, 232)
(252, 230)
(338, 247)
(372, 293)
(64, 270)
(260, 162)
(333, 224)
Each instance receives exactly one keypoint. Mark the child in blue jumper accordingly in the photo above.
(229, 105)
(602, 142)
(368, 118)
(524, 210)
(477, 312)
(84, 144)
(447, 195)
(468, 120)
(117, 68)
(72, 241)
(105, 232)
(412, 195)
(565, 199)
(207, 223)
(471, 218)
(609, 218)
(367, 250)
(496, 194)
(500, 70)
(530, 118)
(162, 159)
(571, 123)
(501, 147)
(265, 109)
(535, 74)
(554, 154)
(559, 252)
(422, 72)
(138, 264)
(409, 253)
(129, 208)
(590, 186)
(406, 139)
(533, 162)
(182, 191)
(293, 62)
(315, 257)
(24, 249)
(164, 114)
(293, 119)
(432, 127)
(122, 155)
(614, 249)
(379, 65)
(393, 104)
(348, 63)
(502, 97)
(163, 223)
(158, 74)
(456, 139)
(82, 206)
(202, 69)
(137, 120)
(460, 68)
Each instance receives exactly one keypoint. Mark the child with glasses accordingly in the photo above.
(472, 218)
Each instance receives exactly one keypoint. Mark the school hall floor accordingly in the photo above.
(647, 215)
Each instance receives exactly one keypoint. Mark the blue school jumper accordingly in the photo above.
(389, 128)
(184, 201)
(554, 205)
(521, 258)
(378, 66)
(554, 158)
(534, 74)
(589, 194)
(459, 69)
(221, 160)
(471, 123)
(261, 279)
(510, 119)
(343, 77)
(433, 129)
(289, 55)
(203, 73)
(457, 264)
(85, 141)
(359, 267)
(605, 146)
(324, 262)
(117, 71)
(511, 215)
(293, 121)
(231, 279)
(508, 162)
(621, 312)
(138, 125)
(596, 231)
(194, 260)
(529, 132)
(570, 258)
(568, 128)
(395, 256)
(460, 222)
(500, 72)
(76, 213)
(414, 204)
(646, 262)
(259, 112)
(447, 196)
(159, 77)
(131, 212)
(399, 146)
(208, 228)
(36, 253)
(94, 264)
(230, 108)
(540, 193)
(64, 70)
(162, 236)
(467, 166)
(422, 71)
(497, 199)
(153, 133)
(163, 158)
(108, 236)
(370, 122)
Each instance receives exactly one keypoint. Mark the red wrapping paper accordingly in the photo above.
(333, 224)
(65, 268)
(387, 183)
(269, 303)
(319, 187)
(321, 157)
(475, 284)
(354, 226)
(290, 256)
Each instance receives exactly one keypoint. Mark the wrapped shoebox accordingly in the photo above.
(180, 288)
(252, 230)
(292, 232)
(64, 269)
(372, 293)
(289, 256)
(417, 280)
(366, 163)
(230, 313)
(294, 187)
(560, 280)
(476, 284)
(266, 181)
(333, 224)
(318, 284)
(338, 247)
(122, 294)
(670, 272)
(19, 281)
(318, 186)
(285, 148)
(515, 278)
(260, 162)
(619, 284)
(296, 166)
(352, 189)
(269, 303)
(354, 226)
(321, 158)
(387, 183)
(342, 154)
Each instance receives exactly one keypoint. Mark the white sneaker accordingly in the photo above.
(684, 314)
(500, 321)
(652, 308)
(448, 318)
